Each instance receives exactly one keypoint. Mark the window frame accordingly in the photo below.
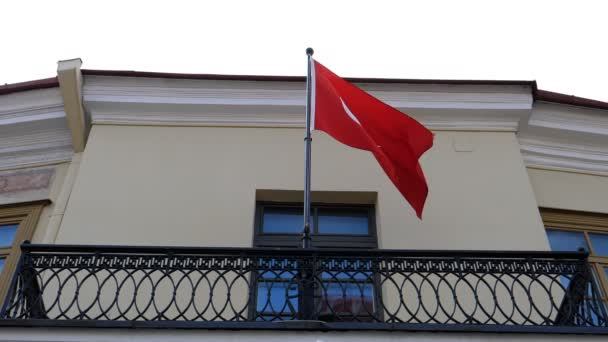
(261, 239)
(585, 223)
(337, 241)
(26, 216)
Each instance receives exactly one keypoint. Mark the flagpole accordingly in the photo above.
(306, 239)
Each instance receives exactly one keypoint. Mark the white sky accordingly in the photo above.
(561, 44)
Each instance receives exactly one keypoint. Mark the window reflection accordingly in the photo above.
(282, 221)
(561, 240)
(7, 234)
(343, 221)
(347, 296)
(599, 242)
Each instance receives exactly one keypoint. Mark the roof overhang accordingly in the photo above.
(554, 130)
(280, 102)
(33, 129)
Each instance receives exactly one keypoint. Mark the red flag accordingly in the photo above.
(357, 119)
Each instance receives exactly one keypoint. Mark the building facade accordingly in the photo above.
(174, 201)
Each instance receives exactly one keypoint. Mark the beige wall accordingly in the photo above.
(52, 214)
(47, 215)
(197, 186)
(568, 190)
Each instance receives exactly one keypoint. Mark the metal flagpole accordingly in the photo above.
(306, 239)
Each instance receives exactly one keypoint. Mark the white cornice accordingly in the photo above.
(30, 116)
(551, 135)
(29, 158)
(30, 100)
(570, 118)
(148, 101)
(564, 156)
(33, 129)
(566, 137)
(268, 116)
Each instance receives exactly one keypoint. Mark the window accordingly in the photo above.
(332, 226)
(572, 231)
(17, 223)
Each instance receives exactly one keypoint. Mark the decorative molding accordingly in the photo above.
(566, 137)
(263, 116)
(30, 116)
(35, 158)
(557, 218)
(551, 135)
(33, 129)
(24, 180)
(34, 125)
(24, 103)
(569, 118)
(560, 156)
(26, 185)
(149, 101)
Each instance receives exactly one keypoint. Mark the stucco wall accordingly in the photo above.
(568, 190)
(197, 186)
(48, 214)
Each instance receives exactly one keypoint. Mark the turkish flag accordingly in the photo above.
(357, 119)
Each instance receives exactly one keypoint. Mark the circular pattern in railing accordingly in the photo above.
(241, 287)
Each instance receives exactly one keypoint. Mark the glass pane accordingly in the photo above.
(279, 275)
(283, 220)
(566, 280)
(277, 297)
(590, 310)
(594, 307)
(352, 299)
(566, 241)
(2, 263)
(7, 234)
(345, 276)
(599, 242)
(606, 271)
(343, 221)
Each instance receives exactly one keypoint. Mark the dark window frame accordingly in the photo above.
(369, 241)
(334, 241)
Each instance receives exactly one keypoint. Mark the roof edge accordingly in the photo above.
(266, 78)
(538, 94)
(553, 97)
(29, 85)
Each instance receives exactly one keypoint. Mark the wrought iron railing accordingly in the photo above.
(311, 289)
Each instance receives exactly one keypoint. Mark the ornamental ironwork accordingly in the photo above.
(257, 287)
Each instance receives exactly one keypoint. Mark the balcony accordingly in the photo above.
(318, 289)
